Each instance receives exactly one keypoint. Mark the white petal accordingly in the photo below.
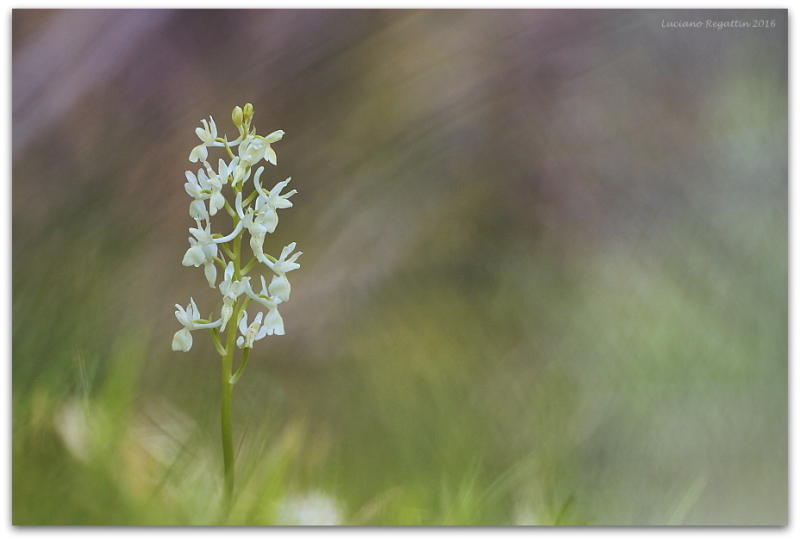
(182, 341)
(274, 136)
(217, 202)
(195, 313)
(243, 321)
(227, 312)
(194, 256)
(257, 244)
(274, 322)
(223, 171)
(203, 179)
(256, 179)
(270, 155)
(199, 153)
(288, 250)
(210, 250)
(211, 274)
(202, 235)
(227, 238)
(192, 187)
(229, 272)
(280, 287)
(279, 186)
(197, 210)
(238, 205)
(269, 218)
(264, 290)
(182, 317)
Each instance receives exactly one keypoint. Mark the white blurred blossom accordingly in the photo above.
(312, 509)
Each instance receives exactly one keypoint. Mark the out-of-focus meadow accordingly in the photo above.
(544, 277)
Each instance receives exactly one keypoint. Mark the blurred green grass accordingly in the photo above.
(442, 404)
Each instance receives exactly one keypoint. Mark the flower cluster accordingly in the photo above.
(256, 214)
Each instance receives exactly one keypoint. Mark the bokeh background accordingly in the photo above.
(544, 277)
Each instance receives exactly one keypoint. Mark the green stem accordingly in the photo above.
(249, 199)
(217, 344)
(225, 411)
(226, 387)
(224, 248)
(219, 262)
(249, 266)
(229, 209)
(242, 363)
(227, 148)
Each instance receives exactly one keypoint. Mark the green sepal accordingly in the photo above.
(242, 363)
(217, 344)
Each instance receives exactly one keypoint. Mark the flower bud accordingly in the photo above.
(237, 116)
(248, 112)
